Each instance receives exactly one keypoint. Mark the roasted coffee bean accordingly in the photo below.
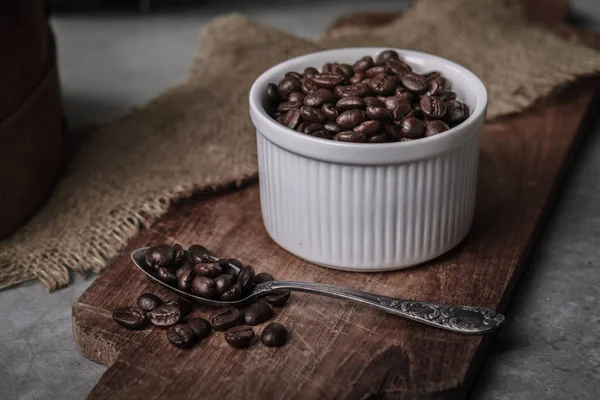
(327, 67)
(368, 128)
(344, 70)
(209, 270)
(401, 112)
(363, 64)
(407, 96)
(130, 317)
(383, 85)
(278, 298)
(332, 127)
(226, 318)
(183, 306)
(294, 75)
(234, 293)
(434, 88)
(274, 335)
(394, 131)
(166, 276)
(327, 80)
(309, 85)
(240, 336)
(433, 107)
(200, 327)
(456, 112)
(381, 138)
(322, 134)
(235, 262)
(272, 93)
(350, 102)
(148, 301)
(360, 90)
(257, 313)
(165, 316)
(292, 118)
(398, 68)
(204, 287)
(181, 336)
(447, 95)
(434, 127)
(312, 115)
(288, 85)
(357, 77)
(394, 101)
(413, 128)
(222, 284)
(198, 253)
(373, 72)
(312, 128)
(386, 56)
(350, 136)
(378, 113)
(351, 118)
(187, 266)
(263, 277)
(185, 280)
(414, 82)
(160, 256)
(432, 75)
(372, 101)
(289, 105)
(179, 255)
(246, 279)
(310, 72)
(318, 98)
(296, 96)
(329, 111)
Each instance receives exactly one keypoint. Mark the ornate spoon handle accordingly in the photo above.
(455, 318)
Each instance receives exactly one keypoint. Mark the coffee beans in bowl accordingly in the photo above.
(369, 101)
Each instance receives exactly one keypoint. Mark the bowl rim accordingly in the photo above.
(362, 153)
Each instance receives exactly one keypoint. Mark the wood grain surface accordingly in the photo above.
(339, 350)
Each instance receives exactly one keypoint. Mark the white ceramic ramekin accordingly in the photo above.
(368, 207)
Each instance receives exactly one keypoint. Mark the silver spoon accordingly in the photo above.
(461, 319)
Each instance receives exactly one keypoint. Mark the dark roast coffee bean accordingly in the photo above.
(204, 287)
(432, 75)
(130, 317)
(329, 111)
(274, 335)
(373, 102)
(322, 133)
(278, 298)
(296, 96)
(240, 336)
(351, 118)
(332, 127)
(272, 93)
(309, 85)
(368, 128)
(148, 301)
(181, 336)
(378, 113)
(226, 318)
(222, 284)
(185, 280)
(394, 131)
(301, 126)
(310, 72)
(257, 313)
(263, 277)
(350, 136)
(434, 88)
(200, 327)
(447, 95)
(160, 256)
(414, 82)
(179, 255)
(294, 75)
(381, 138)
(398, 68)
(383, 85)
(350, 102)
(401, 112)
(457, 112)
(413, 128)
(209, 270)
(246, 279)
(183, 306)
(386, 56)
(234, 293)
(360, 90)
(433, 107)
(327, 80)
(344, 70)
(318, 98)
(165, 316)
(166, 276)
(183, 268)
(434, 127)
(197, 252)
(327, 67)
(363, 64)
(357, 77)
(312, 128)
(235, 262)
(289, 105)
(292, 118)
(312, 115)
(373, 72)
(288, 85)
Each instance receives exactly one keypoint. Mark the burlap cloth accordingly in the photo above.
(198, 134)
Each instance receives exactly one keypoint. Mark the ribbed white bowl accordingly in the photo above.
(368, 207)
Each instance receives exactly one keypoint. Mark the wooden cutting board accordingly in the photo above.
(340, 350)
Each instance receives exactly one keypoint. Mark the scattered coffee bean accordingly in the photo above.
(434, 127)
(204, 287)
(263, 277)
(200, 327)
(148, 301)
(160, 256)
(181, 336)
(226, 318)
(166, 276)
(130, 317)
(239, 336)
(278, 298)
(274, 335)
(183, 306)
(257, 313)
(165, 316)
(185, 280)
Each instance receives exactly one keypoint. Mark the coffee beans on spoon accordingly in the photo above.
(370, 101)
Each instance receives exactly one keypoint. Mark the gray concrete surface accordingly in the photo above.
(549, 350)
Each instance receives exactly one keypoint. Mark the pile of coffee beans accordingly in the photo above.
(371, 101)
(209, 279)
